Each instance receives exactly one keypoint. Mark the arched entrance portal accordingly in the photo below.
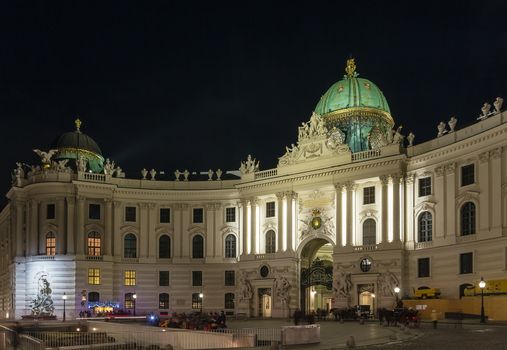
(316, 276)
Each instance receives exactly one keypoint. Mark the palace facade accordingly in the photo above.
(353, 211)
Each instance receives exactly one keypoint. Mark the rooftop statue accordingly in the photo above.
(441, 129)
(498, 104)
(45, 157)
(251, 165)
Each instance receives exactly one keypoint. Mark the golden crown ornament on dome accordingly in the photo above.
(350, 68)
(78, 124)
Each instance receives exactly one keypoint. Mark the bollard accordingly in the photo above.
(351, 342)
(274, 346)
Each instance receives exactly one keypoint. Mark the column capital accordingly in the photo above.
(280, 195)
(439, 171)
(253, 201)
(291, 195)
(496, 153)
(339, 186)
(117, 204)
(484, 157)
(143, 205)
(151, 205)
(350, 186)
(80, 198)
(108, 200)
(396, 178)
(450, 168)
(409, 179)
(69, 200)
(384, 180)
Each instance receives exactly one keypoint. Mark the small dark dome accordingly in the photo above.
(77, 140)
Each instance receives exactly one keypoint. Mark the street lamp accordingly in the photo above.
(64, 297)
(397, 291)
(201, 295)
(482, 284)
(134, 296)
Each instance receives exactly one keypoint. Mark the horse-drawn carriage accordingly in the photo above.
(405, 316)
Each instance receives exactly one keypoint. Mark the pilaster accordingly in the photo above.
(384, 182)
(450, 193)
(279, 207)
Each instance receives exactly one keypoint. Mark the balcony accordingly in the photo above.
(366, 248)
(94, 257)
(423, 245)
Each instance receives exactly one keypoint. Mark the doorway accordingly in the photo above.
(265, 302)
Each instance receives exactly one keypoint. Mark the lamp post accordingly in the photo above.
(64, 297)
(201, 295)
(397, 291)
(482, 284)
(134, 296)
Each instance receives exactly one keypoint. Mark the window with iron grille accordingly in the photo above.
(94, 243)
(467, 216)
(369, 195)
(230, 214)
(423, 267)
(230, 246)
(270, 242)
(230, 279)
(93, 276)
(425, 186)
(129, 301)
(229, 301)
(50, 244)
(163, 301)
(425, 226)
(196, 301)
(129, 278)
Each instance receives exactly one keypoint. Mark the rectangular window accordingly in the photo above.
(163, 301)
(93, 276)
(163, 278)
(196, 278)
(130, 214)
(467, 175)
(229, 300)
(198, 215)
(165, 215)
(270, 209)
(423, 267)
(466, 263)
(94, 211)
(50, 211)
(230, 214)
(230, 279)
(196, 301)
(129, 278)
(425, 186)
(369, 195)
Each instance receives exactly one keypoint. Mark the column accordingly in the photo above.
(27, 220)
(80, 242)
(19, 227)
(108, 226)
(450, 192)
(34, 226)
(60, 220)
(439, 191)
(484, 195)
(70, 225)
(396, 207)
(151, 235)
(209, 222)
(117, 221)
(338, 214)
(290, 196)
(143, 230)
(351, 191)
(279, 208)
(254, 207)
(217, 237)
(185, 224)
(496, 182)
(384, 181)
(409, 208)
(41, 238)
(177, 216)
(244, 225)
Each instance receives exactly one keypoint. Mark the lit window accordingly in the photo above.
(129, 278)
(230, 214)
(93, 276)
(94, 243)
(230, 246)
(270, 209)
(129, 301)
(163, 301)
(50, 244)
(196, 301)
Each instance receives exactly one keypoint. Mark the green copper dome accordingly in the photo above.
(74, 145)
(358, 108)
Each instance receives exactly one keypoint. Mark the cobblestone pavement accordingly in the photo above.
(482, 337)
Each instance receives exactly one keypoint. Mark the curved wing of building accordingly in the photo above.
(355, 213)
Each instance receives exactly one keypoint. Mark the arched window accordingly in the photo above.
(164, 247)
(50, 244)
(369, 232)
(130, 246)
(425, 226)
(93, 297)
(468, 219)
(94, 243)
(230, 246)
(229, 301)
(163, 301)
(197, 247)
(270, 242)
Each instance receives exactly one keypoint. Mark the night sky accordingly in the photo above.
(175, 85)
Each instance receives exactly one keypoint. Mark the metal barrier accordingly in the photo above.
(26, 342)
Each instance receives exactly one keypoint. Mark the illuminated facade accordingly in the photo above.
(352, 211)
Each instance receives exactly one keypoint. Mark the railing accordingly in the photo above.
(26, 342)
(130, 260)
(365, 248)
(374, 153)
(8, 338)
(94, 257)
(467, 238)
(422, 245)
(43, 257)
(92, 177)
(265, 173)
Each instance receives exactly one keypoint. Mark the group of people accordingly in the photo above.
(196, 321)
